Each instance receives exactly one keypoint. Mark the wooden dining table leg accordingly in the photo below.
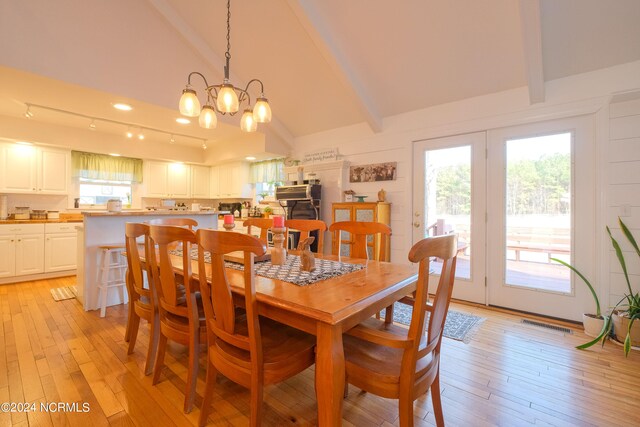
(329, 374)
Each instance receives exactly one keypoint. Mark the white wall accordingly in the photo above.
(623, 191)
(587, 93)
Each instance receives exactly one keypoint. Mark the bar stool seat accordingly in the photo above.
(111, 260)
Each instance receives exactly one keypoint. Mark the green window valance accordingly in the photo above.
(105, 167)
(267, 171)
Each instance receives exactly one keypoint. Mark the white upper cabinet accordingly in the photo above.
(164, 179)
(214, 173)
(234, 180)
(53, 177)
(28, 169)
(200, 182)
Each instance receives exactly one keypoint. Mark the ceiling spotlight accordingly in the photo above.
(172, 140)
(92, 125)
(141, 136)
(28, 114)
(114, 154)
(183, 121)
(122, 107)
(250, 158)
(204, 145)
(129, 133)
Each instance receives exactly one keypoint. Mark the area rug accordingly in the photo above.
(63, 293)
(458, 326)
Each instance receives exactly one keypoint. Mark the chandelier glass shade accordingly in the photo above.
(225, 98)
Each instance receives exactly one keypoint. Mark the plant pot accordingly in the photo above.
(266, 215)
(621, 327)
(592, 325)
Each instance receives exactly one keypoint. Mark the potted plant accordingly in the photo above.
(595, 325)
(627, 311)
(267, 211)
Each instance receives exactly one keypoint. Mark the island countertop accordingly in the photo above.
(147, 213)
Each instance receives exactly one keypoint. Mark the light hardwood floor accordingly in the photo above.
(510, 374)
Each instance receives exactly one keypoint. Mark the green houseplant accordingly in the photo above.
(596, 325)
(627, 311)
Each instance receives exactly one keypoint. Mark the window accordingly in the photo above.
(99, 192)
(267, 189)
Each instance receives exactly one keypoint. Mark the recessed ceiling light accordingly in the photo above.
(114, 154)
(122, 107)
(24, 143)
(250, 158)
(183, 121)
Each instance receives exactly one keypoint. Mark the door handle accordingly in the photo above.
(416, 224)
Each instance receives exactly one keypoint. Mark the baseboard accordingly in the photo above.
(41, 276)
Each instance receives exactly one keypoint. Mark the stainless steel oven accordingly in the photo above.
(300, 202)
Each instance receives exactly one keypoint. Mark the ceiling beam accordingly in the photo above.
(312, 23)
(532, 48)
(276, 127)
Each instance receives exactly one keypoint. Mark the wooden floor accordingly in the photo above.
(510, 374)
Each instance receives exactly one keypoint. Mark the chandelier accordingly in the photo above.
(225, 98)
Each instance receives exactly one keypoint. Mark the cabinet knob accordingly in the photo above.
(416, 224)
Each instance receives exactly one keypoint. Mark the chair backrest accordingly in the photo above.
(445, 248)
(263, 224)
(359, 231)
(216, 293)
(170, 298)
(135, 275)
(305, 227)
(178, 222)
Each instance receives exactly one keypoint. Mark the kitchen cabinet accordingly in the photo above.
(234, 180)
(60, 247)
(21, 249)
(358, 211)
(200, 182)
(163, 179)
(214, 174)
(29, 169)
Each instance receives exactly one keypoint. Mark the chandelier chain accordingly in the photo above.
(228, 53)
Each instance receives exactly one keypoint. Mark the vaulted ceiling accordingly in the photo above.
(324, 64)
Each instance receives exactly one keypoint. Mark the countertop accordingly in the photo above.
(37, 221)
(147, 213)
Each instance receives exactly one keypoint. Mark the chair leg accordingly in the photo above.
(192, 373)
(159, 363)
(437, 401)
(346, 389)
(132, 327)
(154, 336)
(104, 282)
(208, 393)
(127, 332)
(405, 406)
(255, 418)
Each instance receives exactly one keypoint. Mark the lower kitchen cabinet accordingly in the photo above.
(32, 249)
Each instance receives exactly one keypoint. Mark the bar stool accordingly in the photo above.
(111, 260)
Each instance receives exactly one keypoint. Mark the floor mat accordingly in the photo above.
(458, 326)
(63, 293)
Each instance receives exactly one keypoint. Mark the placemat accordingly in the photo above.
(290, 271)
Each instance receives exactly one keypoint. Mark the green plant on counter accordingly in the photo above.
(631, 301)
(267, 210)
(607, 325)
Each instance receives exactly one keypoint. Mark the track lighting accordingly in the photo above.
(28, 114)
(204, 145)
(129, 133)
(92, 125)
(172, 140)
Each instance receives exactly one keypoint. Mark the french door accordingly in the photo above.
(517, 197)
(541, 207)
(449, 197)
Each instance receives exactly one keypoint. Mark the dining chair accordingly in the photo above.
(305, 227)
(359, 232)
(264, 224)
(250, 350)
(178, 222)
(399, 363)
(143, 302)
(180, 307)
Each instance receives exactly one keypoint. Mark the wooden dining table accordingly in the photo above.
(327, 309)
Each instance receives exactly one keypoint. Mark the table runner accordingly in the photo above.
(290, 271)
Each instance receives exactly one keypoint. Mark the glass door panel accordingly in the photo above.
(538, 212)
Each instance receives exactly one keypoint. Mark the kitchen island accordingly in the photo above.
(107, 228)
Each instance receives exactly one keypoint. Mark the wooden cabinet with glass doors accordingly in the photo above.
(361, 211)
